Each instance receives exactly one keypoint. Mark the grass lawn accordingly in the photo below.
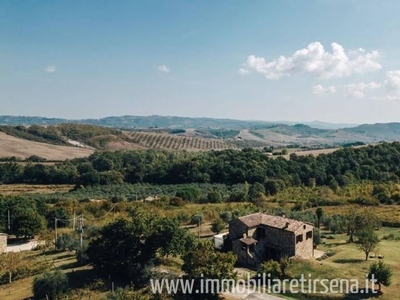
(348, 262)
(79, 277)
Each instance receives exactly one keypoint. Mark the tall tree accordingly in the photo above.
(319, 212)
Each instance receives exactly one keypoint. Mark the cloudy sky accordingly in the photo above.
(334, 61)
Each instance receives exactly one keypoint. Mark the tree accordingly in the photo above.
(197, 219)
(333, 184)
(360, 219)
(255, 189)
(381, 272)
(276, 269)
(9, 263)
(272, 268)
(218, 225)
(214, 197)
(272, 187)
(27, 222)
(367, 240)
(170, 238)
(316, 236)
(46, 238)
(202, 261)
(122, 249)
(128, 247)
(59, 213)
(319, 212)
(67, 241)
(50, 285)
(226, 216)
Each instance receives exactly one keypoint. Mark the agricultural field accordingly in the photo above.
(153, 140)
(13, 146)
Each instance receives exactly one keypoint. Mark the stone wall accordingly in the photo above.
(281, 240)
(305, 248)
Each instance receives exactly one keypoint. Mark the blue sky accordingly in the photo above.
(335, 61)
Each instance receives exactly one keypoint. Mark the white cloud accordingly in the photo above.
(315, 60)
(352, 91)
(392, 81)
(319, 90)
(164, 69)
(244, 71)
(50, 69)
(357, 90)
(389, 98)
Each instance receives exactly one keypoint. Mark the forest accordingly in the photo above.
(343, 167)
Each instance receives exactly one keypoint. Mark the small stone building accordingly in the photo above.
(3, 242)
(259, 237)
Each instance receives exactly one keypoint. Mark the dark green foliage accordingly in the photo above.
(191, 194)
(272, 187)
(60, 214)
(226, 216)
(127, 248)
(254, 191)
(202, 261)
(276, 269)
(35, 158)
(319, 213)
(316, 236)
(197, 219)
(67, 241)
(214, 197)
(381, 272)
(217, 226)
(27, 222)
(81, 256)
(50, 285)
(340, 168)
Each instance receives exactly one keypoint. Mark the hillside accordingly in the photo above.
(12, 146)
(141, 122)
(192, 134)
(77, 140)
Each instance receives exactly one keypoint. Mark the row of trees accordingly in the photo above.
(376, 163)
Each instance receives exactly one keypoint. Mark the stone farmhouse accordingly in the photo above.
(259, 237)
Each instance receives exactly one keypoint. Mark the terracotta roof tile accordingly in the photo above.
(257, 219)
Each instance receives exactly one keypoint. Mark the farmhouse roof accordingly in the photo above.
(283, 223)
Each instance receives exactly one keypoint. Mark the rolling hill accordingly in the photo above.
(81, 137)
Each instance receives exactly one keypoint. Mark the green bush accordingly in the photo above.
(50, 285)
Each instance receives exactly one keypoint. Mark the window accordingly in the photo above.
(309, 235)
(299, 238)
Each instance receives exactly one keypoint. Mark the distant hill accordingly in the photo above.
(142, 122)
(193, 134)
(377, 132)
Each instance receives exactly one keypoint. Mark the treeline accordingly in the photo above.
(343, 167)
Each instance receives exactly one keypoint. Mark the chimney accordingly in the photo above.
(286, 225)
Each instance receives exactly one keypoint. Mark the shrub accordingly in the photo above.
(50, 285)
(67, 241)
(177, 201)
(197, 219)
